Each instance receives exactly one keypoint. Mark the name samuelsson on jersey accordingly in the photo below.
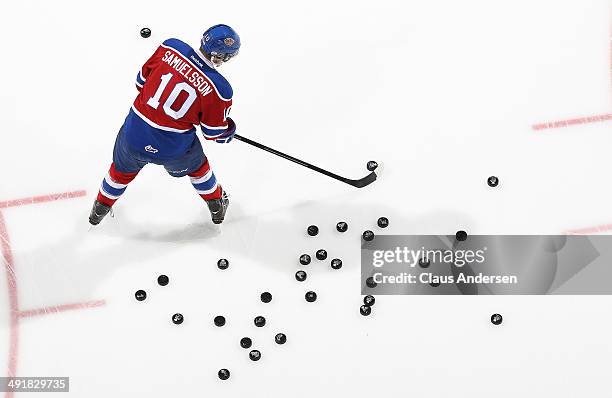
(183, 67)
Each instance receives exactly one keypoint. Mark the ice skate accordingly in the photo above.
(98, 212)
(218, 207)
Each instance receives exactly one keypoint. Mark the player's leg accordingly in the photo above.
(123, 170)
(196, 166)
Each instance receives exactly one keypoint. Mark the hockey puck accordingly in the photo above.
(140, 295)
(219, 320)
(222, 263)
(280, 338)
(177, 319)
(310, 296)
(383, 222)
(300, 276)
(145, 32)
(368, 236)
(162, 280)
(224, 374)
(245, 342)
(321, 254)
(423, 263)
(371, 283)
(259, 321)
(336, 263)
(313, 230)
(372, 165)
(493, 181)
(496, 319)
(461, 236)
(369, 300)
(266, 297)
(342, 226)
(304, 259)
(255, 355)
(365, 310)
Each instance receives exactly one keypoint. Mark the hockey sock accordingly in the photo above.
(114, 185)
(205, 182)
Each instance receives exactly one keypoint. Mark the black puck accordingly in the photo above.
(369, 300)
(461, 236)
(365, 310)
(371, 283)
(245, 342)
(140, 295)
(177, 319)
(321, 254)
(162, 280)
(372, 165)
(496, 319)
(224, 374)
(342, 226)
(266, 297)
(255, 355)
(145, 32)
(336, 263)
(259, 321)
(383, 222)
(219, 320)
(368, 235)
(423, 263)
(434, 284)
(300, 276)
(304, 259)
(493, 181)
(222, 263)
(280, 338)
(313, 230)
(311, 296)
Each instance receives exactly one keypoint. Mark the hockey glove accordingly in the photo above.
(229, 133)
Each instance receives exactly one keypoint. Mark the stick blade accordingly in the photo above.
(363, 182)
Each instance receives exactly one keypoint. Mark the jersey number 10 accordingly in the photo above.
(176, 91)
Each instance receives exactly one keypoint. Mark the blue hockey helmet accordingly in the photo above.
(221, 43)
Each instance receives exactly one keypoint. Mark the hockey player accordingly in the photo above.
(179, 88)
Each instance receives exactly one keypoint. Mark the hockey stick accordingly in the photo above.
(362, 182)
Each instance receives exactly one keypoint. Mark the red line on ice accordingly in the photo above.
(61, 308)
(9, 265)
(572, 122)
(589, 230)
(7, 257)
(41, 199)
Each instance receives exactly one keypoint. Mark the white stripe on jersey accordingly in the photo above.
(155, 125)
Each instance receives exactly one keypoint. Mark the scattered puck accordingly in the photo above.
(280, 338)
(266, 297)
(177, 319)
(145, 32)
(219, 320)
(255, 355)
(259, 321)
(300, 276)
(369, 300)
(424, 263)
(336, 263)
(496, 319)
(321, 254)
(368, 235)
(342, 226)
(311, 296)
(304, 259)
(224, 374)
(365, 310)
(245, 342)
(222, 263)
(461, 236)
(140, 295)
(434, 284)
(383, 222)
(492, 181)
(372, 165)
(313, 230)
(162, 280)
(370, 283)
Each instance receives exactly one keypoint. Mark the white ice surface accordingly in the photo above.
(443, 92)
